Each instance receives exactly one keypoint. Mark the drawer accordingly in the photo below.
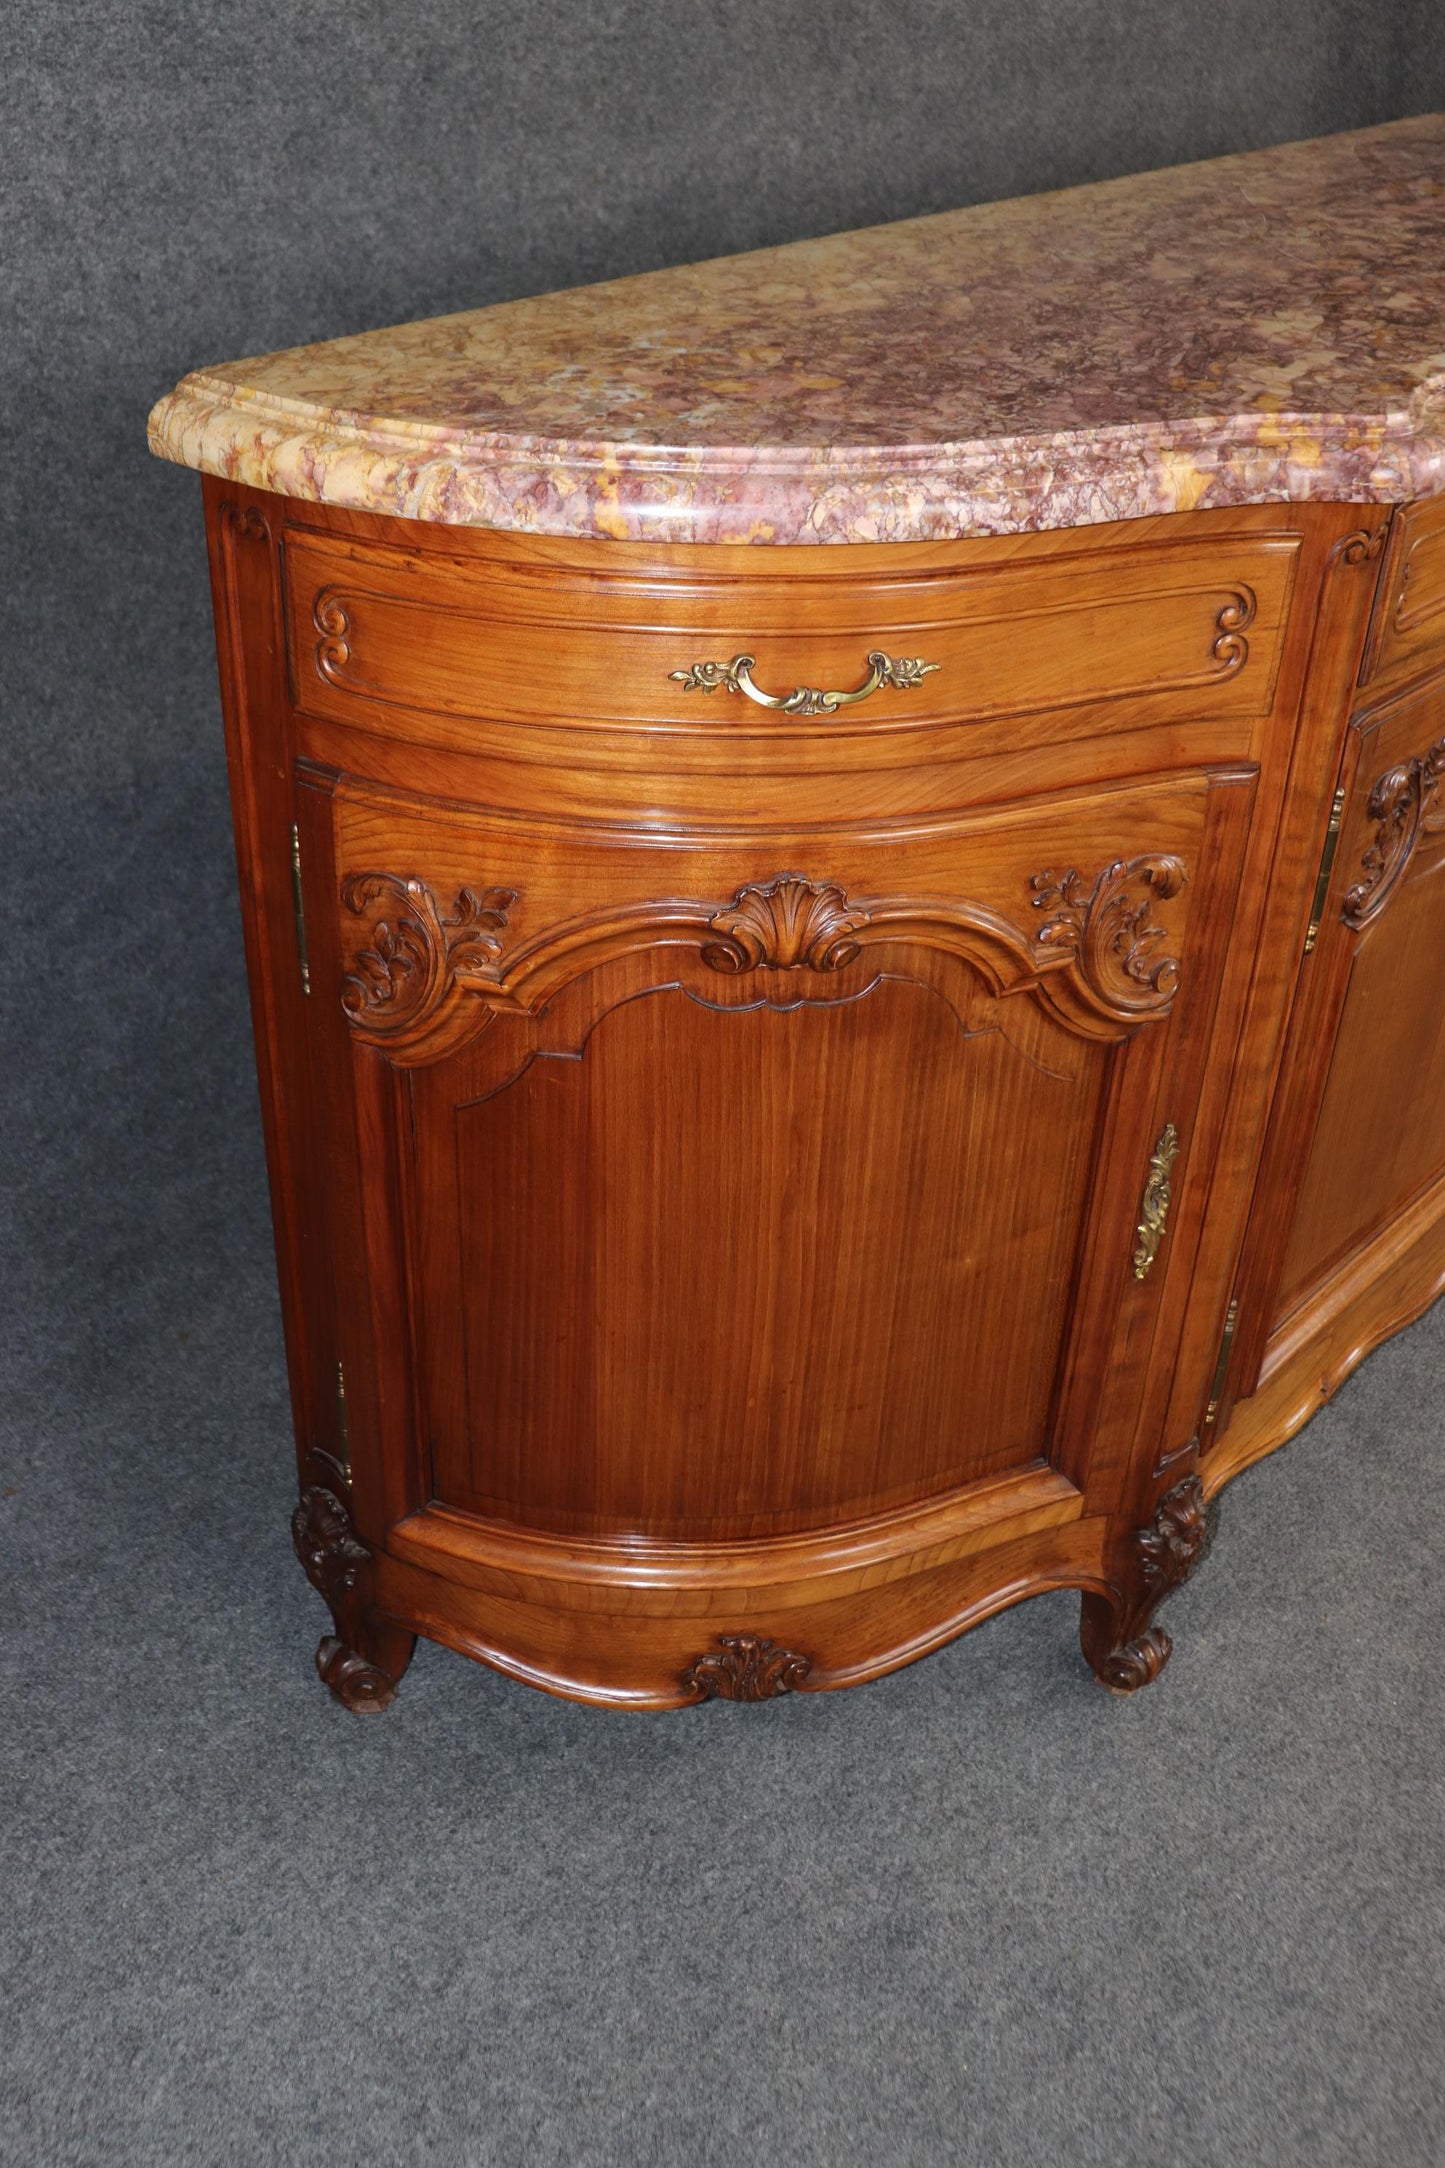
(409, 642)
(1408, 633)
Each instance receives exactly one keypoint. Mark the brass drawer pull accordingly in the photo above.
(1154, 1204)
(705, 677)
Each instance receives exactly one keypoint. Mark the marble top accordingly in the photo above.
(1250, 329)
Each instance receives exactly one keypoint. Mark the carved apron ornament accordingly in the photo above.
(746, 1668)
(786, 925)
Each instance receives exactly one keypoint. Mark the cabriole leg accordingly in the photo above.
(1121, 1643)
(366, 1656)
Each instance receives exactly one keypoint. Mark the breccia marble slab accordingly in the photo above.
(1257, 328)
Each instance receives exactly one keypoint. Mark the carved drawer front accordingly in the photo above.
(745, 1184)
(425, 647)
(1408, 633)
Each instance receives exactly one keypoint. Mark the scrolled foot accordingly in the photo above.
(357, 1684)
(1124, 1670)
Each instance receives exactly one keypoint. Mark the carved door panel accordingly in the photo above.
(726, 1188)
(1367, 1059)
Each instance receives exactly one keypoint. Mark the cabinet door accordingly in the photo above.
(718, 1188)
(1362, 1124)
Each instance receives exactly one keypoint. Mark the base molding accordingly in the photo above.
(667, 1653)
(1385, 1286)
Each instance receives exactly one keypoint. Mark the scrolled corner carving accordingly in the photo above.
(785, 924)
(333, 648)
(1136, 1663)
(412, 951)
(1110, 928)
(745, 1668)
(326, 1542)
(358, 1685)
(1231, 649)
(1401, 805)
(1362, 546)
(1170, 1547)
(245, 521)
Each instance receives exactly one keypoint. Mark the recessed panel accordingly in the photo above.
(729, 1272)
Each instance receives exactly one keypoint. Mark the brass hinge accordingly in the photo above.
(343, 1433)
(1216, 1390)
(1327, 861)
(298, 905)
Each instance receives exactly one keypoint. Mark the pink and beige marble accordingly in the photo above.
(1255, 328)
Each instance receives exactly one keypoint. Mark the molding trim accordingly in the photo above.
(1097, 964)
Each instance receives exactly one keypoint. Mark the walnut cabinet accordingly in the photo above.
(762, 1183)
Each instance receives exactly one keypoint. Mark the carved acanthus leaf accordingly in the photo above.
(1110, 927)
(746, 1668)
(327, 1544)
(784, 925)
(1402, 807)
(412, 951)
(1169, 1547)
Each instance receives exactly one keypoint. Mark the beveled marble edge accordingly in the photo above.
(780, 494)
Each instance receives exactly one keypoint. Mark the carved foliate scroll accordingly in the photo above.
(412, 950)
(1131, 1649)
(330, 1551)
(1402, 807)
(1169, 1547)
(409, 958)
(1110, 926)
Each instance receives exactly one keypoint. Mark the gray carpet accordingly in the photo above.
(978, 1913)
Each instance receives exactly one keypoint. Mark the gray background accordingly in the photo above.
(975, 1913)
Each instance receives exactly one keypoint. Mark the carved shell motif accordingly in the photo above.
(414, 951)
(1401, 808)
(746, 1668)
(784, 925)
(1110, 927)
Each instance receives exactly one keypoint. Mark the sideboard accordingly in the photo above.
(843, 867)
